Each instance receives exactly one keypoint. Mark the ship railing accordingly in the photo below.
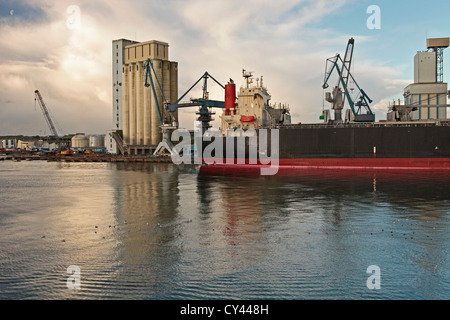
(426, 123)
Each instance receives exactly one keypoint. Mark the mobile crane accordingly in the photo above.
(48, 118)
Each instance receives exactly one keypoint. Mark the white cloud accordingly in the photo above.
(281, 40)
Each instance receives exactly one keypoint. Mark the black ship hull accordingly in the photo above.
(415, 146)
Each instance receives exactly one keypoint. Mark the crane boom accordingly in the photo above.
(166, 128)
(204, 103)
(345, 72)
(47, 117)
(148, 66)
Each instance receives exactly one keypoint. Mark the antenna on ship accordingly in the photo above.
(248, 75)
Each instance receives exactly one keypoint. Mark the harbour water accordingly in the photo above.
(160, 232)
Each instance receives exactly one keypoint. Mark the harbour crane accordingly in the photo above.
(338, 96)
(165, 126)
(48, 118)
(204, 104)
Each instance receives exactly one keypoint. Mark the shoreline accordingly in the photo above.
(84, 158)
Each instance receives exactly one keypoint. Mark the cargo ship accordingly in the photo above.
(378, 146)
(353, 142)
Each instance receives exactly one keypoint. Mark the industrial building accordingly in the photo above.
(428, 94)
(96, 141)
(136, 118)
(118, 48)
(80, 141)
(111, 146)
(8, 143)
(31, 143)
(25, 145)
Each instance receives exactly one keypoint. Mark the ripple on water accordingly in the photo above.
(152, 232)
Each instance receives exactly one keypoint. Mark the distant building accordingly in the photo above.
(97, 141)
(80, 141)
(428, 94)
(21, 144)
(8, 143)
(49, 146)
(110, 143)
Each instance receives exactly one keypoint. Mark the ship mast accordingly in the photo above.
(248, 75)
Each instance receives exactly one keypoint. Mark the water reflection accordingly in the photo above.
(146, 203)
(158, 231)
(351, 220)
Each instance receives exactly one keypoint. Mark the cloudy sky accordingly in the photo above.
(63, 49)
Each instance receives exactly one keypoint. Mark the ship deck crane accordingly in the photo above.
(338, 96)
(203, 103)
(48, 118)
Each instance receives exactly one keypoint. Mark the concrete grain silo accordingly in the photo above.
(140, 118)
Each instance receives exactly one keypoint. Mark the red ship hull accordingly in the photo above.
(291, 166)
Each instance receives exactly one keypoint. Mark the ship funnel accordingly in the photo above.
(230, 98)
